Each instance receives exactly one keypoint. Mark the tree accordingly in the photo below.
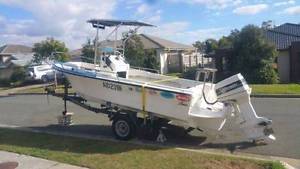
(253, 56)
(134, 50)
(200, 46)
(207, 47)
(50, 49)
(18, 75)
(135, 53)
(150, 60)
(211, 45)
(225, 43)
(88, 52)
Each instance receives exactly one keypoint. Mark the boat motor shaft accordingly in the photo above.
(236, 92)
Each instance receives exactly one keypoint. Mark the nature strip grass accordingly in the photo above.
(276, 89)
(106, 154)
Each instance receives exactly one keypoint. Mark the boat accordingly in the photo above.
(200, 105)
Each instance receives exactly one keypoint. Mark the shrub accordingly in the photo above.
(4, 82)
(190, 73)
(18, 75)
(253, 56)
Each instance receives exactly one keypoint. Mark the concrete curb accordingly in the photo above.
(282, 160)
(26, 161)
(286, 165)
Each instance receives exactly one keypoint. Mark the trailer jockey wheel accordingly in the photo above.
(123, 127)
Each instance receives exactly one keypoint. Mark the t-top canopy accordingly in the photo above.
(101, 23)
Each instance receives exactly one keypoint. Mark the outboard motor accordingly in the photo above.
(235, 91)
(118, 64)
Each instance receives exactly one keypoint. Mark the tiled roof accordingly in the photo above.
(18, 54)
(12, 49)
(152, 42)
(156, 42)
(2, 47)
(283, 35)
(76, 52)
(289, 28)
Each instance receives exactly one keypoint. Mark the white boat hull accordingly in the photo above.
(186, 106)
(177, 100)
(161, 103)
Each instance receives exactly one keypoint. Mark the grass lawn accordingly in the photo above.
(3, 88)
(33, 90)
(266, 88)
(276, 89)
(105, 154)
(175, 74)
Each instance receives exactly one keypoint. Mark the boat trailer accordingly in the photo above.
(126, 123)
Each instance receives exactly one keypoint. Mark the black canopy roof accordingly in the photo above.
(101, 23)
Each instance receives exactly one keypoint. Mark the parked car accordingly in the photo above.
(39, 72)
(50, 76)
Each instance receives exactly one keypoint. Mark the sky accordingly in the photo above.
(184, 21)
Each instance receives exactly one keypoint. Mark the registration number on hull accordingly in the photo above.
(112, 86)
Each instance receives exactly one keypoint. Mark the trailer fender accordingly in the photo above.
(130, 114)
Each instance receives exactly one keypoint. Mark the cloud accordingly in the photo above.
(153, 17)
(143, 9)
(64, 20)
(292, 10)
(203, 34)
(170, 29)
(180, 32)
(212, 4)
(283, 3)
(130, 4)
(250, 9)
(146, 12)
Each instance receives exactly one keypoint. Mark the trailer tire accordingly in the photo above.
(44, 79)
(123, 127)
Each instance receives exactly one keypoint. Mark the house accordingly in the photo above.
(12, 55)
(286, 37)
(172, 56)
(75, 55)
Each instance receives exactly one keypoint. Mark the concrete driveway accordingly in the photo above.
(40, 112)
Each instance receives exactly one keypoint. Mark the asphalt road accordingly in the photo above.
(40, 112)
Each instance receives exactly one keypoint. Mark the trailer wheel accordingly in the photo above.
(44, 79)
(123, 127)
